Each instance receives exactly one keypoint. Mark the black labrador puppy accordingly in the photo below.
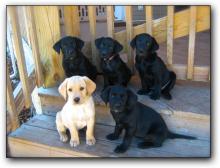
(74, 61)
(115, 71)
(136, 119)
(155, 77)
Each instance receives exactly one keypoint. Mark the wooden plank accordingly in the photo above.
(71, 20)
(48, 138)
(92, 27)
(192, 37)
(181, 26)
(110, 21)
(11, 107)
(129, 35)
(19, 53)
(149, 19)
(170, 19)
(18, 92)
(200, 73)
(48, 33)
(178, 121)
(31, 29)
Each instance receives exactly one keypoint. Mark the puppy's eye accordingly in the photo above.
(70, 89)
(81, 88)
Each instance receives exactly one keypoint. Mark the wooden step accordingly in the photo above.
(188, 112)
(39, 138)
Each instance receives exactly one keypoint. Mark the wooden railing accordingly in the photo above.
(43, 29)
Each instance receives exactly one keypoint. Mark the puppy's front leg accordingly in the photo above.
(129, 133)
(90, 140)
(74, 141)
(106, 81)
(61, 128)
(116, 133)
(156, 92)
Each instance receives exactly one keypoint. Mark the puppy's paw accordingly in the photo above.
(154, 96)
(120, 149)
(74, 143)
(63, 138)
(144, 145)
(167, 96)
(90, 141)
(142, 92)
(112, 137)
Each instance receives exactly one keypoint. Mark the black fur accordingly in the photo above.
(74, 61)
(115, 71)
(155, 77)
(136, 119)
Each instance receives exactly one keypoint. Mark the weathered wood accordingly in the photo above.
(192, 37)
(48, 33)
(71, 20)
(31, 29)
(149, 19)
(170, 14)
(92, 26)
(200, 72)
(110, 21)
(18, 92)
(11, 107)
(19, 53)
(37, 133)
(129, 35)
(181, 26)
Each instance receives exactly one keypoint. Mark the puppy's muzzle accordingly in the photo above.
(76, 99)
(117, 107)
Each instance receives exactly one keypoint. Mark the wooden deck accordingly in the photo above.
(39, 138)
(188, 113)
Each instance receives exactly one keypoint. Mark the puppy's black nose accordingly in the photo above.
(141, 51)
(118, 105)
(76, 99)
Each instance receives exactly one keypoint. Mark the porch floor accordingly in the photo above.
(188, 113)
(39, 138)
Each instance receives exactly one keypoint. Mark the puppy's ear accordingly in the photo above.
(57, 46)
(105, 94)
(132, 99)
(90, 85)
(133, 42)
(98, 42)
(79, 43)
(117, 46)
(155, 45)
(63, 88)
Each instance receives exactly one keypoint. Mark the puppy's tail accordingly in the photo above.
(172, 135)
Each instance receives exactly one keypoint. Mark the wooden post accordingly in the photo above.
(11, 108)
(110, 21)
(149, 19)
(19, 53)
(31, 30)
(129, 29)
(170, 23)
(71, 20)
(92, 26)
(48, 33)
(192, 36)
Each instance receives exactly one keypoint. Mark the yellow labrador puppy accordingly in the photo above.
(79, 110)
